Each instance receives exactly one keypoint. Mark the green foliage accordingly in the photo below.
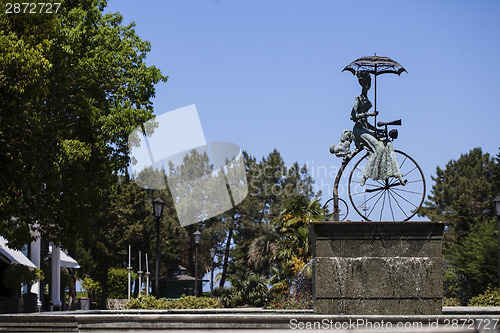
(145, 302)
(248, 288)
(451, 302)
(91, 287)
(184, 302)
(286, 300)
(463, 192)
(491, 297)
(128, 219)
(117, 282)
(73, 85)
(462, 196)
(472, 261)
(16, 274)
(294, 248)
(223, 294)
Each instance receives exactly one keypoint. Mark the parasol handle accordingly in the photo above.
(375, 101)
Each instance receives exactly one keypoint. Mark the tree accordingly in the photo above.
(128, 220)
(462, 196)
(270, 183)
(293, 247)
(73, 85)
(463, 192)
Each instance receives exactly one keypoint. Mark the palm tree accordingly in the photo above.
(247, 288)
(262, 250)
(294, 248)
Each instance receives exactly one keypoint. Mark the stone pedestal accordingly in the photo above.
(377, 268)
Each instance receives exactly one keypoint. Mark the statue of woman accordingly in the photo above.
(382, 162)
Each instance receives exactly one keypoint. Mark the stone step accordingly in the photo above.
(454, 319)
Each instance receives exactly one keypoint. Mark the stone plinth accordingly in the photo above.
(377, 268)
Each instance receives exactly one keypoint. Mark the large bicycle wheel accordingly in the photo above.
(329, 208)
(388, 200)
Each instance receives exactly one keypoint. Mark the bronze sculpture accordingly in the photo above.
(381, 177)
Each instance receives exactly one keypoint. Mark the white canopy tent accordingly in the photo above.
(58, 259)
(13, 256)
(66, 260)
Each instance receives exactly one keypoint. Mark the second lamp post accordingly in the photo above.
(157, 211)
(197, 238)
(212, 255)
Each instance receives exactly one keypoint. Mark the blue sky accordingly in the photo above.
(268, 74)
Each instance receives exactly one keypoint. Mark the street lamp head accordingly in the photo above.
(212, 252)
(158, 207)
(496, 203)
(197, 236)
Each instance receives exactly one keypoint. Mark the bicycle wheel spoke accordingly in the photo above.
(399, 195)
(409, 171)
(392, 212)
(383, 205)
(368, 200)
(403, 190)
(374, 205)
(401, 165)
(393, 181)
(397, 203)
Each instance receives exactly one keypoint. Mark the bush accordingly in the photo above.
(248, 288)
(224, 295)
(491, 297)
(145, 302)
(288, 300)
(92, 288)
(185, 302)
(451, 301)
(117, 282)
(16, 275)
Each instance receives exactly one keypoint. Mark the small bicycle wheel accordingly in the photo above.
(329, 209)
(388, 200)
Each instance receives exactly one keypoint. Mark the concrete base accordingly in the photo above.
(377, 268)
(242, 320)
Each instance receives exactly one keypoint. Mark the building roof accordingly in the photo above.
(66, 260)
(14, 256)
(181, 277)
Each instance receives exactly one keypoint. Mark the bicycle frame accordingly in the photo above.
(345, 161)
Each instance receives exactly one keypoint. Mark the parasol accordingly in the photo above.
(375, 65)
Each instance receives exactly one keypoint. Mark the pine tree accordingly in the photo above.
(462, 197)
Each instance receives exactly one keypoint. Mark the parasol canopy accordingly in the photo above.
(375, 65)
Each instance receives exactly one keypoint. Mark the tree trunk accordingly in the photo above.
(226, 255)
(72, 289)
(135, 293)
(104, 287)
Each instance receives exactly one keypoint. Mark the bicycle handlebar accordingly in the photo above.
(395, 122)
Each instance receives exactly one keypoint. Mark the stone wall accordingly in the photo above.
(377, 268)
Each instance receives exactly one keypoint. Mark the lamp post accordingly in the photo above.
(147, 276)
(129, 268)
(157, 212)
(140, 273)
(496, 203)
(197, 238)
(212, 255)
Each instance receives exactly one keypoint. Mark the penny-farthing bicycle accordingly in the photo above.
(391, 199)
(379, 200)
